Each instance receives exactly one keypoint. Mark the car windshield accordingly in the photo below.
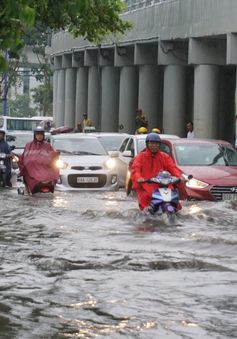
(111, 142)
(79, 146)
(205, 155)
(19, 140)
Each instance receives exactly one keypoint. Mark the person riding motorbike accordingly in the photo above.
(148, 164)
(4, 148)
(37, 162)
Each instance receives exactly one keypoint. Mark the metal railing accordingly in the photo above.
(135, 4)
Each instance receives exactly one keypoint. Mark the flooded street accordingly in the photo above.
(89, 265)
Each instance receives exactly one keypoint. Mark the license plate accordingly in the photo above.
(229, 196)
(87, 180)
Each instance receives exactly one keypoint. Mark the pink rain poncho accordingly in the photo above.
(37, 164)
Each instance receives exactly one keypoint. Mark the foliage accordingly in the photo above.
(30, 22)
(43, 98)
(20, 107)
(8, 78)
(91, 19)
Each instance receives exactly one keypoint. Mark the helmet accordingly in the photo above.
(155, 130)
(39, 129)
(153, 137)
(142, 130)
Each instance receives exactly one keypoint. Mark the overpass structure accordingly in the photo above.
(178, 63)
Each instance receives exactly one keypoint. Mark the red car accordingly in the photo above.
(212, 163)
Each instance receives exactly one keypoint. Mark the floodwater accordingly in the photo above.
(89, 265)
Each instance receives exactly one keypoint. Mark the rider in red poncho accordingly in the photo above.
(36, 162)
(148, 164)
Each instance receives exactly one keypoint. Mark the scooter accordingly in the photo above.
(38, 179)
(3, 157)
(165, 199)
(40, 187)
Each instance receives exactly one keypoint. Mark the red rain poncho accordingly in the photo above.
(147, 165)
(36, 164)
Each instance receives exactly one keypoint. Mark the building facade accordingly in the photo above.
(178, 63)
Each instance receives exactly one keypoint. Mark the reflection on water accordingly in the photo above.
(86, 265)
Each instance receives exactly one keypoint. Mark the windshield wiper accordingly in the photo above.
(64, 151)
(84, 153)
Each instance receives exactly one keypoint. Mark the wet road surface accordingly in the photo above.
(89, 265)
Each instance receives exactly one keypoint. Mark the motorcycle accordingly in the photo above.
(3, 157)
(165, 199)
(3, 168)
(40, 179)
(40, 187)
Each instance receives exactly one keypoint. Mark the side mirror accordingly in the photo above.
(127, 154)
(10, 138)
(113, 154)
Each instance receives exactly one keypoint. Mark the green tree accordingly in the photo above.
(29, 22)
(20, 106)
(91, 19)
(43, 99)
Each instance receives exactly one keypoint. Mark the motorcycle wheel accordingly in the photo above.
(20, 191)
(171, 217)
(170, 214)
(2, 179)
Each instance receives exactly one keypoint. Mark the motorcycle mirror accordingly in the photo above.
(190, 176)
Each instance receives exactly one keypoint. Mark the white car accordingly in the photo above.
(130, 147)
(84, 163)
(111, 140)
(19, 139)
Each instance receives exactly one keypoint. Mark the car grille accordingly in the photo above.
(72, 181)
(217, 191)
(83, 168)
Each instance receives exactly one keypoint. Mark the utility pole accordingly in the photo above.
(5, 88)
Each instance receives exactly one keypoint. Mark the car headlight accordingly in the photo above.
(61, 164)
(110, 163)
(195, 183)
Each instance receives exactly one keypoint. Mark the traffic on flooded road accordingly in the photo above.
(91, 265)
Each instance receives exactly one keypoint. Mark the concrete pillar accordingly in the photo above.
(81, 93)
(60, 98)
(174, 100)
(109, 99)
(94, 96)
(206, 82)
(235, 118)
(55, 98)
(149, 94)
(70, 97)
(128, 98)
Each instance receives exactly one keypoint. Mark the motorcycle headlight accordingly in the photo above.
(110, 163)
(15, 159)
(195, 183)
(61, 164)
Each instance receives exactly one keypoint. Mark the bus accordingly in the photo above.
(10, 124)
